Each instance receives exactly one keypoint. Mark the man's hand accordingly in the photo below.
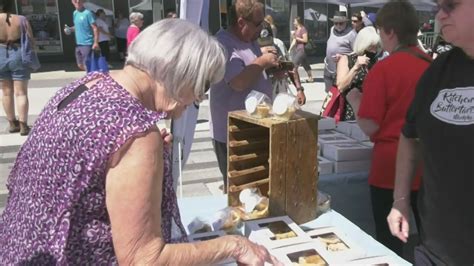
(398, 220)
(268, 49)
(301, 97)
(95, 46)
(268, 60)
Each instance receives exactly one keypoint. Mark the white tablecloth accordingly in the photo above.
(206, 207)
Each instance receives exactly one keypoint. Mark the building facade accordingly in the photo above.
(48, 17)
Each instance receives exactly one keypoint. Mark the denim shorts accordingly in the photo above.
(11, 65)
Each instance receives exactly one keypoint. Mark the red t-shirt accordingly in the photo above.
(388, 91)
(132, 33)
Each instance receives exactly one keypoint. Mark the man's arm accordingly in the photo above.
(251, 73)
(95, 46)
(408, 158)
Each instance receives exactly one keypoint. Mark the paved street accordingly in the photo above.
(201, 175)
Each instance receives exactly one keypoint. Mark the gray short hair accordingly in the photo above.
(135, 16)
(179, 55)
(366, 37)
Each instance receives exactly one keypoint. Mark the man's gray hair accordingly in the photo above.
(135, 16)
(179, 55)
(366, 37)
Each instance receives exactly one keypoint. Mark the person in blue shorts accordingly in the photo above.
(86, 33)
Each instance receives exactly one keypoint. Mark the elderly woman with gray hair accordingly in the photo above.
(92, 184)
(351, 69)
(136, 22)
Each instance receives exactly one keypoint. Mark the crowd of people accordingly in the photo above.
(96, 146)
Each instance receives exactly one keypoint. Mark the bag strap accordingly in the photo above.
(417, 54)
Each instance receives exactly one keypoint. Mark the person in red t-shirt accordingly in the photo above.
(389, 89)
(136, 20)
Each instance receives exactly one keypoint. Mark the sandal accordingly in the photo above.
(14, 126)
(24, 128)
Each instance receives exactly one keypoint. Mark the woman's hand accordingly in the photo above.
(167, 137)
(362, 60)
(398, 220)
(249, 253)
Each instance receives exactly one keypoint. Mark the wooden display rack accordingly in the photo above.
(277, 157)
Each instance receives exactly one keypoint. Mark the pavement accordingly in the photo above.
(201, 175)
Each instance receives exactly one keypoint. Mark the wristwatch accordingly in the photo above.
(300, 89)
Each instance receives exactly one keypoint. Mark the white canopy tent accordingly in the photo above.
(421, 5)
(311, 14)
(94, 7)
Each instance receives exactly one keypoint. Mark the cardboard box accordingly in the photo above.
(334, 139)
(351, 166)
(367, 143)
(302, 254)
(345, 127)
(381, 260)
(275, 232)
(325, 166)
(325, 133)
(347, 152)
(205, 236)
(351, 129)
(358, 134)
(337, 244)
(325, 123)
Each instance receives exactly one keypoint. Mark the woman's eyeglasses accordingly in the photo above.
(447, 7)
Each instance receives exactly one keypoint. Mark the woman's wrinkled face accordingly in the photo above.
(139, 23)
(176, 107)
(373, 48)
(456, 20)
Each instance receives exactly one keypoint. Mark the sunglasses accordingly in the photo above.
(447, 7)
(256, 24)
(339, 23)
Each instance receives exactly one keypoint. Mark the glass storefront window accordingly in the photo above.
(108, 7)
(44, 20)
(145, 7)
(316, 23)
(280, 12)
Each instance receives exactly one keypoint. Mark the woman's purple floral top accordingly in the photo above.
(56, 211)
